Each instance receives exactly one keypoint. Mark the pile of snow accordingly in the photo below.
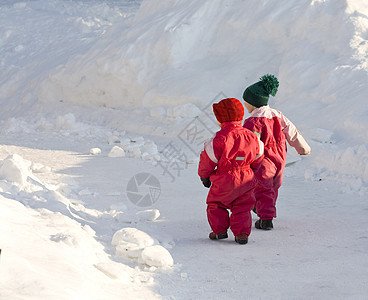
(168, 61)
(49, 255)
(16, 170)
(133, 243)
(95, 151)
(16, 174)
(68, 235)
(18, 177)
(116, 151)
(174, 55)
(137, 147)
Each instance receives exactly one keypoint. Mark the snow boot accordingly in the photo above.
(241, 239)
(220, 236)
(264, 224)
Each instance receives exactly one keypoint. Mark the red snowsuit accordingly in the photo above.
(228, 159)
(274, 129)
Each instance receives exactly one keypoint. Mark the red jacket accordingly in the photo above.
(229, 158)
(274, 129)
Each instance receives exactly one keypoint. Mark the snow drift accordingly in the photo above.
(192, 50)
(164, 63)
(170, 55)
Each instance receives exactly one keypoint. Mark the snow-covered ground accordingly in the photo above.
(104, 108)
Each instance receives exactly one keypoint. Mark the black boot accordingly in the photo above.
(264, 224)
(241, 239)
(220, 236)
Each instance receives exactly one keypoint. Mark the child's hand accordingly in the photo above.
(306, 152)
(206, 182)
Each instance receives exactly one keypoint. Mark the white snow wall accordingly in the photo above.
(182, 51)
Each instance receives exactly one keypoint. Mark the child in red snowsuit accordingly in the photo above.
(273, 128)
(227, 162)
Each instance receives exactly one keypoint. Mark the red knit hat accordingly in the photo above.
(228, 110)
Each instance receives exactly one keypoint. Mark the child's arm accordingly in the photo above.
(208, 160)
(294, 137)
(206, 165)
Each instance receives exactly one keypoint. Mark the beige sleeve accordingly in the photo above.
(294, 138)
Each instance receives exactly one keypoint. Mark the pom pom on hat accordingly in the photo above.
(228, 110)
(258, 94)
(270, 84)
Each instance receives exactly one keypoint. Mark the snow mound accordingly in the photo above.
(157, 256)
(134, 243)
(138, 147)
(16, 170)
(130, 242)
(132, 146)
(116, 151)
(17, 177)
(17, 174)
(95, 151)
(178, 55)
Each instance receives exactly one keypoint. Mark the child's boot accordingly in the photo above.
(264, 224)
(241, 238)
(220, 236)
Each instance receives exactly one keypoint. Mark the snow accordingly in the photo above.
(95, 151)
(134, 243)
(116, 151)
(156, 256)
(104, 108)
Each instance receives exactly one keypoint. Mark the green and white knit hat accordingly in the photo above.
(258, 93)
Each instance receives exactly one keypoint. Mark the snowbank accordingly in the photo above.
(62, 261)
(167, 62)
(189, 52)
(152, 72)
(66, 249)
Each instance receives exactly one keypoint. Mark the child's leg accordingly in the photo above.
(266, 192)
(266, 197)
(241, 218)
(218, 217)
